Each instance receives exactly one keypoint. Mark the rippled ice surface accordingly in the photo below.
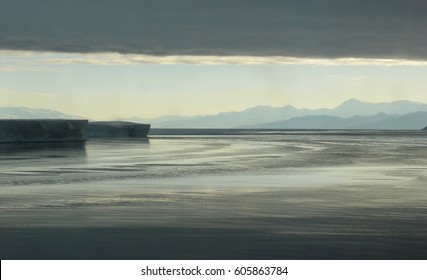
(232, 194)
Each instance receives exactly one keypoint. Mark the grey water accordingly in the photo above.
(218, 194)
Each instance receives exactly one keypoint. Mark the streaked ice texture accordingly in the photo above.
(232, 194)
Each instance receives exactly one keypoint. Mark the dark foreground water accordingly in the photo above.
(218, 194)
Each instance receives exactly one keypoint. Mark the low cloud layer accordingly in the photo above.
(385, 29)
(14, 61)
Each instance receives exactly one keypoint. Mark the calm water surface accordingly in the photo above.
(218, 194)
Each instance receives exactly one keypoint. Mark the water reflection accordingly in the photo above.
(63, 149)
(216, 196)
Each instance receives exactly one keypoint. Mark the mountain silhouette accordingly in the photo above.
(352, 113)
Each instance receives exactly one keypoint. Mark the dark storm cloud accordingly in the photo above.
(300, 28)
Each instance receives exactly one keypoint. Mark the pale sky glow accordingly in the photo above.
(148, 58)
(111, 85)
(42, 59)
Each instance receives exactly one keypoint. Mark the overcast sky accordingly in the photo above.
(302, 28)
(148, 58)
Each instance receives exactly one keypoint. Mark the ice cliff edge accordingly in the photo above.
(117, 129)
(42, 130)
(66, 130)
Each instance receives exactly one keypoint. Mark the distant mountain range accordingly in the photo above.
(352, 114)
(415, 120)
(29, 113)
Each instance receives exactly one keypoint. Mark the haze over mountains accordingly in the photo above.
(351, 114)
(31, 113)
